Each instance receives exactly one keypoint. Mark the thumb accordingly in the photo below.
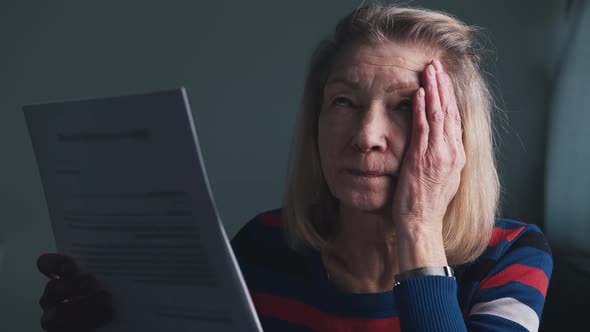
(57, 266)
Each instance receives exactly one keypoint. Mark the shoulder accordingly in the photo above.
(516, 251)
(264, 229)
(509, 235)
(261, 245)
(508, 283)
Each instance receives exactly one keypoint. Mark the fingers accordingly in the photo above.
(420, 127)
(445, 100)
(441, 107)
(452, 123)
(434, 111)
(84, 314)
(71, 301)
(67, 290)
(55, 292)
(436, 122)
(57, 266)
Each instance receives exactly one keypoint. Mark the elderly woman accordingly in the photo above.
(388, 222)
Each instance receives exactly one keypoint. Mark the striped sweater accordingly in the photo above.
(503, 290)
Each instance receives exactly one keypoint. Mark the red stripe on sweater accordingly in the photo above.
(271, 219)
(527, 275)
(500, 234)
(282, 308)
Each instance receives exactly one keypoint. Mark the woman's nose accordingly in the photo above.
(371, 132)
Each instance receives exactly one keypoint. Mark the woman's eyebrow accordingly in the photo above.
(343, 81)
(355, 85)
(402, 86)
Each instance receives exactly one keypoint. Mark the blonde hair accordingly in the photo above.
(310, 211)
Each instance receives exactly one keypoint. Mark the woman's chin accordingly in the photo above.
(366, 203)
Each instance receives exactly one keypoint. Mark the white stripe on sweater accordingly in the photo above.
(509, 308)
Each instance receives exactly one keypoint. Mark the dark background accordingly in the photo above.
(242, 63)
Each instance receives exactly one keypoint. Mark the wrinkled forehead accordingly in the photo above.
(395, 60)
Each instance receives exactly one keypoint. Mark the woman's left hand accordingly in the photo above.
(431, 170)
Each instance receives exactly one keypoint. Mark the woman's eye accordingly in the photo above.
(405, 106)
(342, 101)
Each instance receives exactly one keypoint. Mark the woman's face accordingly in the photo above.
(366, 120)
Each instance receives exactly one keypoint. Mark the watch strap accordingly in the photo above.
(445, 271)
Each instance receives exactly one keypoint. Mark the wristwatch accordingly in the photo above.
(445, 271)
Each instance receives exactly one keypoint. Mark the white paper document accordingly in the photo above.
(128, 197)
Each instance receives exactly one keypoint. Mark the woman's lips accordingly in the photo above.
(367, 174)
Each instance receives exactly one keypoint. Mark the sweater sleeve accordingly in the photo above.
(429, 303)
(509, 297)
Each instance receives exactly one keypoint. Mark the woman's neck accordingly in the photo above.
(361, 257)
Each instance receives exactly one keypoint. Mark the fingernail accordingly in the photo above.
(430, 69)
(54, 276)
(438, 65)
(421, 92)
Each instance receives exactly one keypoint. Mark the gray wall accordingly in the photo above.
(243, 64)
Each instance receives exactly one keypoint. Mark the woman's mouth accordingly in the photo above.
(367, 174)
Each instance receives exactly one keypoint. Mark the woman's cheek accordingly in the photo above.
(401, 133)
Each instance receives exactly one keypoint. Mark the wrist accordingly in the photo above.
(420, 245)
(445, 271)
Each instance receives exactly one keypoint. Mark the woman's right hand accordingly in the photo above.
(71, 301)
